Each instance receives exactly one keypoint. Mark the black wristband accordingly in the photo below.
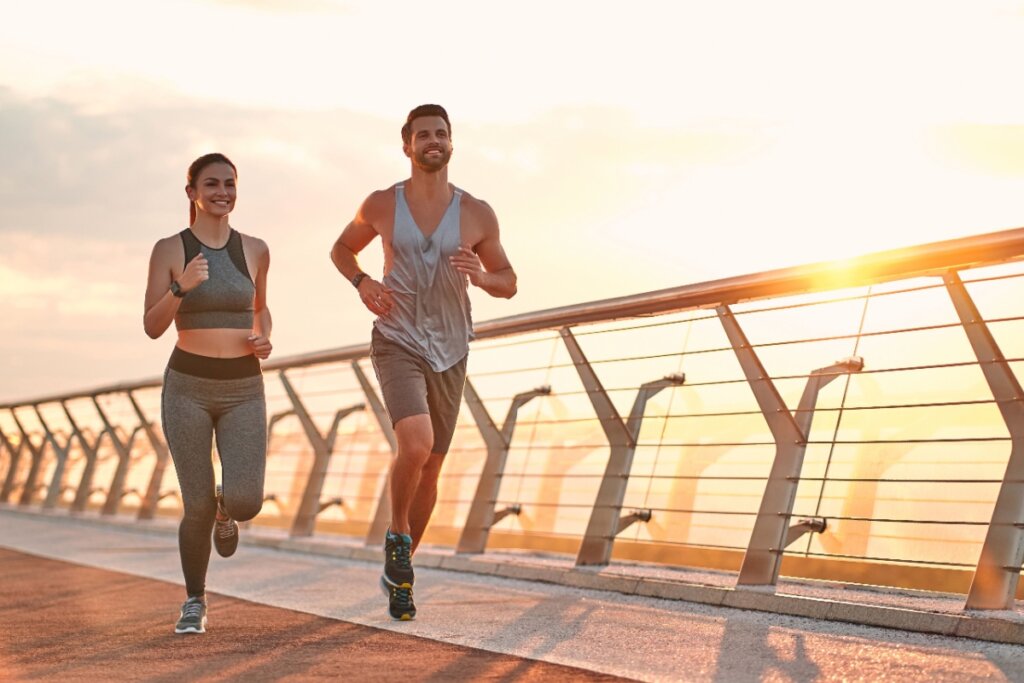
(176, 290)
(358, 278)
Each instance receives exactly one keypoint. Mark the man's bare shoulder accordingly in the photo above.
(478, 210)
(379, 203)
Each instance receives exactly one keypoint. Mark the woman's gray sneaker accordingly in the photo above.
(193, 616)
(225, 529)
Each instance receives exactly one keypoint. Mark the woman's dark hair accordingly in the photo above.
(424, 110)
(196, 168)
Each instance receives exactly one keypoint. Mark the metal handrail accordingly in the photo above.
(883, 266)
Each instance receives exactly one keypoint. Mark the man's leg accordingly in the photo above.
(425, 497)
(444, 398)
(415, 437)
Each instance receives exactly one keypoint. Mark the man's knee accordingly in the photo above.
(415, 438)
(414, 455)
(432, 466)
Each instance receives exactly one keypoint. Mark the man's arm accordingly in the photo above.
(485, 264)
(353, 239)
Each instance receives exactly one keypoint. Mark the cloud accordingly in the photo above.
(71, 172)
(119, 176)
(122, 174)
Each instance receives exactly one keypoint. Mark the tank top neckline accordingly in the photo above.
(231, 232)
(440, 224)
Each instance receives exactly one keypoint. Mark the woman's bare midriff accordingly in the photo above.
(217, 343)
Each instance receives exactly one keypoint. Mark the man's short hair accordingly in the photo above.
(424, 110)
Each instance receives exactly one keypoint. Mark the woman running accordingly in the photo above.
(212, 282)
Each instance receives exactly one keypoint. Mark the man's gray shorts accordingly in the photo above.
(411, 387)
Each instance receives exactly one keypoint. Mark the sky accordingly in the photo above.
(625, 147)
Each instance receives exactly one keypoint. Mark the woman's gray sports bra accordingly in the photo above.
(226, 299)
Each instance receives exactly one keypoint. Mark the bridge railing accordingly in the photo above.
(857, 421)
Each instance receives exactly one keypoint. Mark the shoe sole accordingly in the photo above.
(384, 583)
(386, 579)
(191, 629)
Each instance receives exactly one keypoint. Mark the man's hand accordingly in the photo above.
(468, 263)
(376, 297)
(260, 346)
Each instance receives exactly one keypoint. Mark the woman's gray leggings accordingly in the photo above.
(193, 410)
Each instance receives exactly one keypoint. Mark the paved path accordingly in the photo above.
(80, 623)
(628, 636)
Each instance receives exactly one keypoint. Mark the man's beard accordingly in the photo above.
(433, 164)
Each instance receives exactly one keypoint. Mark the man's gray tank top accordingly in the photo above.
(225, 300)
(431, 316)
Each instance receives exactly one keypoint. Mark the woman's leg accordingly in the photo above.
(242, 444)
(188, 428)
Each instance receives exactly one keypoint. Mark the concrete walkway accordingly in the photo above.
(626, 635)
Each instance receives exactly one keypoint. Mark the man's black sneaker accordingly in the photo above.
(400, 605)
(398, 559)
(193, 616)
(225, 529)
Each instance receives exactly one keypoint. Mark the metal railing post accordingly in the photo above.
(28, 489)
(772, 531)
(278, 501)
(481, 515)
(123, 448)
(151, 498)
(3, 449)
(603, 526)
(91, 454)
(12, 468)
(995, 579)
(382, 514)
(311, 505)
(53, 492)
(606, 518)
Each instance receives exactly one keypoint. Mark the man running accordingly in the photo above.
(437, 238)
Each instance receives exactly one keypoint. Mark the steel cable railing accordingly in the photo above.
(704, 419)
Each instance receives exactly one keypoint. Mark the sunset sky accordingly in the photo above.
(625, 147)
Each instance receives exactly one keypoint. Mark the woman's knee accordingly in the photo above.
(243, 507)
(200, 510)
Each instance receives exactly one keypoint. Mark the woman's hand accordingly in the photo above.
(196, 273)
(260, 346)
